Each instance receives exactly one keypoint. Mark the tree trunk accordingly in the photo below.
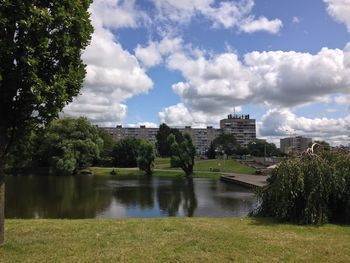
(2, 183)
(2, 206)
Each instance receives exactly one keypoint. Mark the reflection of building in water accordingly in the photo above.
(294, 144)
(241, 126)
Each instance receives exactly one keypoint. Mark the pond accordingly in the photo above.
(123, 197)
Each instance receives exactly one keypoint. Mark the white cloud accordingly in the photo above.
(180, 115)
(147, 124)
(113, 74)
(282, 122)
(154, 52)
(225, 14)
(261, 24)
(214, 84)
(276, 78)
(339, 10)
(117, 13)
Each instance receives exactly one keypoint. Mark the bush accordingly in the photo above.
(312, 189)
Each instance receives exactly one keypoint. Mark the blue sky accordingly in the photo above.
(286, 63)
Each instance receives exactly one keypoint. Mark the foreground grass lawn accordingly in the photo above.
(172, 240)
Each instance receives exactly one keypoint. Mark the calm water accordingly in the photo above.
(111, 197)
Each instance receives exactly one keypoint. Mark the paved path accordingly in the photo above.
(247, 180)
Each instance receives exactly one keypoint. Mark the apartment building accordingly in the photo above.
(241, 126)
(294, 144)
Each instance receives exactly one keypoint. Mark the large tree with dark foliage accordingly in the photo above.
(69, 144)
(183, 153)
(226, 143)
(41, 68)
(126, 151)
(262, 148)
(163, 146)
(146, 156)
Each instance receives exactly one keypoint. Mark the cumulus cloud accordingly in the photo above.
(113, 74)
(276, 78)
(153, 54)
(225, 14)
(261, 24)
(214, 84)
(339, 10)
(283, 122)
(180, 115)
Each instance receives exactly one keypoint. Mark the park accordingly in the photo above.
(72, 190)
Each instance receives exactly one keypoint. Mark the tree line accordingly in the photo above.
(67, 145)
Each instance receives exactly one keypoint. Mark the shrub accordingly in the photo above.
(312, 189)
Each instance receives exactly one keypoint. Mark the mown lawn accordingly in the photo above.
(224, 166)
(132, 172)
(172, 240)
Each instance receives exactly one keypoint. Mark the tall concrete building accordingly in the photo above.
(294, 144)
(241, 126)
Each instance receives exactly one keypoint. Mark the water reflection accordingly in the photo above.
(97, 196)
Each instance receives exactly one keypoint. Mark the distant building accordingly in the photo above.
(294, 144)
(241, 126)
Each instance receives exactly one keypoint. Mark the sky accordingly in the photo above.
(180, 62)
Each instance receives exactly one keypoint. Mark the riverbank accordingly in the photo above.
(132, 172)
(172, 240)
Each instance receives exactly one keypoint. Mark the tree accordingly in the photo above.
(226, 143)
(262, 148)
(146, 156)
(311, 189)
(126, 151)
(107, 151)
(41, 69)
(69, 144)
(183, 153)
(210, 153)
(163, 146)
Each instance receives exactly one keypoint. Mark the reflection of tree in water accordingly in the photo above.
(179, 191)
(233, 197)
(55, 197)
(141, 194)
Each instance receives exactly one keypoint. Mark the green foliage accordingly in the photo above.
(41, 69)
(226, 143)
(163, 146)
(69, 144)
(183, 153)
(107, 151)
(313, 189)
(125, 152)
(262, 148)
(211, 154)
(146, 157)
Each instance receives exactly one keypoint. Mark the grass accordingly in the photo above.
(172, 240)
(224, 166)
(232, 166)
(132, 172)
(162, 163)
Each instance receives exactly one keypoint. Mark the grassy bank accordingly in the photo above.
(135, 172)
(229, 166)
(202, 168)
(172, 240)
